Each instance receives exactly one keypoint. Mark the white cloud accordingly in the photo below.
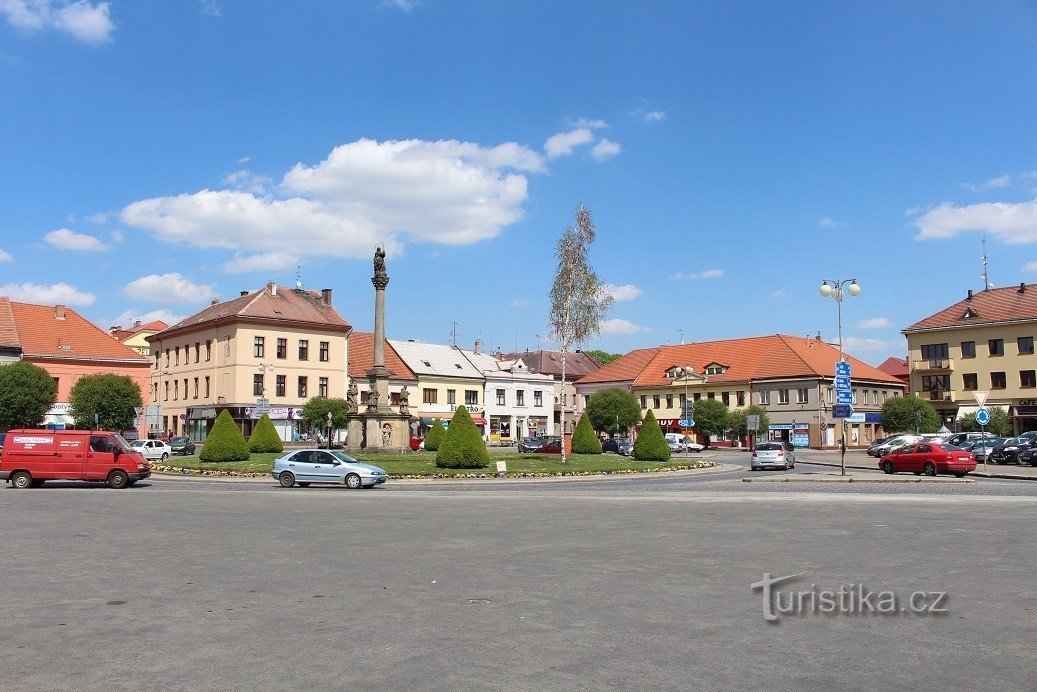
(6, 258)
(519, 303)
(267, 261)
(593, 124)
(405, 5)
(780, 293)
(1030, 267)
(55, 294)
(563, 143)
(101, 218)
(85, 20)
(126, 319)
(1000, 181)
(654, 116)
(248, 181)
(605, 149)
(1012, 223)
(168, 288)
(621, 293)
(829, 222)
(707, 274)
(64, 239)
(856, 344)
(116, 236)
(620, 327)
(211, 8)
(244, 159)
(875, 323)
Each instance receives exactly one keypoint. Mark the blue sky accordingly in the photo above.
(158, 154)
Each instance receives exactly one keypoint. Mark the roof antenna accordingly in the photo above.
(298, 276)
(986, 273)
(681, 332)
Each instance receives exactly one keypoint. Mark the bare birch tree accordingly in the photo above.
(578, 304)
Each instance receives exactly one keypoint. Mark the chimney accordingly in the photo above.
(1022, 287)
(478, 347)
(59, 312)
(116, 328)
(272, 287)
(325, 294)
(214, 302)
(136, 323)
(970, 295)
(244, 293)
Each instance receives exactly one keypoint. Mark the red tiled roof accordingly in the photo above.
(288, 305)
(991, 305)
(8, 330)
(42, 333)
(756, 358)
(577, 364)
(153, 326)
(897, 367)
(361, 358)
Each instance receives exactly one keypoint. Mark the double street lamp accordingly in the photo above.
(835, 288)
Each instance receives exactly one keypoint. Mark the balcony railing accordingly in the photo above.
(944, 396)
(932, 365)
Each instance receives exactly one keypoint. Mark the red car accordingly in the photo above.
(550, 445)
(32, 457)
(929, 458)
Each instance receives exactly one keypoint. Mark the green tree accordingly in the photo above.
(27, 391)
(710, 418)
(736, 420)
(316, 410)
(435, 436)
(584, 439)
(999, 424)
(264, 437)
(650, 444)
(463, 447)
(578, 304)
(603, 357)
(900, 415)
(111, 397)
(224, 442)
(607, 405)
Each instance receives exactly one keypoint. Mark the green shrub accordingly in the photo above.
(264, 437)
(584, 439)
(225, 442)
(650, 444)
(434, 439)
(463, 447)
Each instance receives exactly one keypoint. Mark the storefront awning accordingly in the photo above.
(431, 420)
(966, 410)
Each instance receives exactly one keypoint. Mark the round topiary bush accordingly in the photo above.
(650, 444)
(584, 439)
(265, 438)
(463, 447)
(225, 442)
(434, 439)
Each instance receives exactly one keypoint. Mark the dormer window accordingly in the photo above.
(970, 313)
(715, 369)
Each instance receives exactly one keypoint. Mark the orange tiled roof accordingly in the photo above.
(42, 333)
(153, 326)
(577, 364)
(992, 305)
(361, 358)
(774, 356)
(289, 304)
(8, 330)
(897, 367)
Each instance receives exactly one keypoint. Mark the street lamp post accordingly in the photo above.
(833, 288)
(329, 430)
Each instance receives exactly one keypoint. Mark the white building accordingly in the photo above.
(518, 403)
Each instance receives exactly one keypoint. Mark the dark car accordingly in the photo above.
(1009, 450)
(1027, 456)
(530, 444)
(613, 444)
(183, 446)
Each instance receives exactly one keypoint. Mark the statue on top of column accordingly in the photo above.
(379, 262)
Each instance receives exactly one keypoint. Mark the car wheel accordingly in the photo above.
(117, 480)
(929, 469)
(887, 467)
(287, 479)
(21, 480)
(164, 456)
(353, 481)
(304, 485)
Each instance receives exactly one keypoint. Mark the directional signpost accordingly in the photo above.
(843, 404)
(983, 417)
(752, 422)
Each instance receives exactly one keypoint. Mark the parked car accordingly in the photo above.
(930, 458)
(183, 446)
(305, 466)
(959, 439)
(529, 444)
(1008, 450)
(1027, 456)
(675, 446)
(32, 457)
(417, 443)
(550, 445)
(890, 443)
(625, 447)
(152, 449)
(158, 435)
(773, 455)
(692, 446)
(612, 444)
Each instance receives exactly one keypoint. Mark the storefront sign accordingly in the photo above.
(275, 412)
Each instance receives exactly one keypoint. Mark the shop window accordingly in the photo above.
(968, 349)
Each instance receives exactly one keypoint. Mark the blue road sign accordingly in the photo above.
(842, 381)
(842, 411)
(687, 422)
(842, 368)
(982, 416)
(843, 396)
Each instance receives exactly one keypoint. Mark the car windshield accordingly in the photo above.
(123, 444)
(344, 457)
(137, 443)
(177, 440)
(1015, 441)
(768, 446)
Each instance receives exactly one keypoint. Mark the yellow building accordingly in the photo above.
(264, 351)
(983, 343)
(446, 379)
(136, 337)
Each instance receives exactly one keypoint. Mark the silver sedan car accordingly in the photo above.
(773, 455)
(304, 466)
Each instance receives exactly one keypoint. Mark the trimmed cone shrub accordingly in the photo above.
(264, 437)
(434, 439)
(463, 447)
(225, 442)
(650, 444)
(584, 439)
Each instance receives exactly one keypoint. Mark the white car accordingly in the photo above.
(152, 449)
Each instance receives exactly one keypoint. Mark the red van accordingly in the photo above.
(30, 457)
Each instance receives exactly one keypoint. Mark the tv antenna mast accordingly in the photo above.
(298, 276)
(986, 271)
(453, 334)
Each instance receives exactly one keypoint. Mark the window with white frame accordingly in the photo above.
(802, 395)
(783, 396)
(765, 397)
